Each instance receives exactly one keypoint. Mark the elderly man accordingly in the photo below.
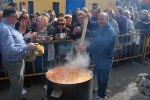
(103, 47)
(143, 25)
(95, 12)
(14, 50)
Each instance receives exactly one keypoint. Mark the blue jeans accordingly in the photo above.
(102, 69)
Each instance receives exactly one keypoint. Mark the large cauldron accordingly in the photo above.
(73, 91)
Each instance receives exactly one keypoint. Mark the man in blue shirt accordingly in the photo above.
(14, 50)
(103, 47)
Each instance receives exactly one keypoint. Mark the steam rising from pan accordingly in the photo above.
(82, 60)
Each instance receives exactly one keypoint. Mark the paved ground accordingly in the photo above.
(122, 85)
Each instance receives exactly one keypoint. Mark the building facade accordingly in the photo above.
(62, 6)
(41, 5)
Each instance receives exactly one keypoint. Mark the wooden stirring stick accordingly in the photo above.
(83, 33)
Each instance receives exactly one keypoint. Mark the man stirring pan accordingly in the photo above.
(14, 50)
(103, 47)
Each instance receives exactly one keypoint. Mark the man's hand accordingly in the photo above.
(31, 46)
(82, 48)
(31, 35)
(28, 35)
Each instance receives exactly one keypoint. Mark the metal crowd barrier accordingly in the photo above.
(30, 68)
(146, 49)
(131, 46)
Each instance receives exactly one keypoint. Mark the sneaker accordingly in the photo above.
(134, 62)
(99, 98)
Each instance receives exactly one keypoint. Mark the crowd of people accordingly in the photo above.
(20, 30)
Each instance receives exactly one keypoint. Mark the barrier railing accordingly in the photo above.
(40, 64)
(146, 49)
(131, 46)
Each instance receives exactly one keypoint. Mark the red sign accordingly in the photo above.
(23, 3)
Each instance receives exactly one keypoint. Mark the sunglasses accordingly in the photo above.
(61, 24)
(16, 17)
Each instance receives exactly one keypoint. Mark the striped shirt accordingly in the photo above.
(12, 44)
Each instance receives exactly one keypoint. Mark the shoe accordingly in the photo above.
(95, 90)
(99, 98)
(134, 62)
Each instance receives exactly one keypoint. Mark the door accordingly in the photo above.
(56, 8)
(30, 7)
(73, 4)
(20, 6)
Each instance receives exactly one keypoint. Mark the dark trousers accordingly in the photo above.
(15, 73)
(103, 68)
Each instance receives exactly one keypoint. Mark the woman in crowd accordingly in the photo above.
(78, 27)
(42, 22)
(127, 49)
(62, 33)
(23, 14)
(24, 30)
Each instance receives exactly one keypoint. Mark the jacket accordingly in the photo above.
(103, 43)
(143, 25)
